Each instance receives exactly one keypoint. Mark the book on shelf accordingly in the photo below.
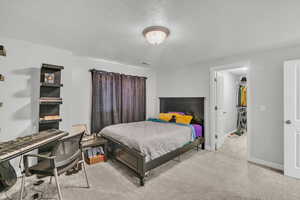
(50, 99)
(52, 117)
(95, 151)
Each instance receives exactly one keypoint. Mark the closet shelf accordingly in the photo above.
(51, 85)
(50, 102)
(50, 121)
(53, 67)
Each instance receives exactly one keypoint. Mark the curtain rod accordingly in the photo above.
(93, 70)
(96, 70)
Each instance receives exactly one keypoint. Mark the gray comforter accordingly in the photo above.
(154, 139)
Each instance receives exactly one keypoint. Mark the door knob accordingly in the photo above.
(288, 121)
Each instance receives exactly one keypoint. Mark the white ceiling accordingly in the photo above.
(112, 29)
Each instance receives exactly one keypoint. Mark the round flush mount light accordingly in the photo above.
(156, 34)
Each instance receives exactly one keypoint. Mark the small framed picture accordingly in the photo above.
(49, 77)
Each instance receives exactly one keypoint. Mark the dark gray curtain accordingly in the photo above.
(117, 98)
(133, 98)
(106, 99)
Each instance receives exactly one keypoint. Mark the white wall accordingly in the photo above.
(266, 79)
(20, 91)
(230, 89)
(81, 86)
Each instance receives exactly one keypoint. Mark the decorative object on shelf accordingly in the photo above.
(49, 78)
(2, 51)
(156, 34)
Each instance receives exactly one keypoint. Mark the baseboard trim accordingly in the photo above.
(266, 163)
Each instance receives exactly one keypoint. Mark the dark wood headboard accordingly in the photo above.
(192, 105)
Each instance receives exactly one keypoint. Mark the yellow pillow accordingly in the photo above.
(184, 119)
(165, 116)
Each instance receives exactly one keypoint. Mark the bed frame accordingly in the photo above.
(135, 160)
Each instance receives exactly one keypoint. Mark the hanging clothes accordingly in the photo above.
(243, 96)
(242, 107)
(241, 120)
(239, 96)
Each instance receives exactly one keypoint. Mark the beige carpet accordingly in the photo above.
(198, 176)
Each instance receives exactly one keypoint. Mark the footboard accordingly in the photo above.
(173, 154)
(132, 158)
(135, 160)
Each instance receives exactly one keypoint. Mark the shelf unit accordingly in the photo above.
(51, 85)
(50, 121)
(52, 92)
(51, 103)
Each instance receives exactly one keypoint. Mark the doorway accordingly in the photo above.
(229, 107)
(292, 118)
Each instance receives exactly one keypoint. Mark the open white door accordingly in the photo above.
(292, 118)
(219, 109)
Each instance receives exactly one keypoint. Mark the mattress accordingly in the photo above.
(154, 139)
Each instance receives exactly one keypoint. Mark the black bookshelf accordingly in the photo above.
(50, 99)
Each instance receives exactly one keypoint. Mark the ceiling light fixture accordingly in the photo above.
(156, 34)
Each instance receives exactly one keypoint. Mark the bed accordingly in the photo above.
(144, 145)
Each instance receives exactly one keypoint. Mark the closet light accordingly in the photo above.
(156, 34)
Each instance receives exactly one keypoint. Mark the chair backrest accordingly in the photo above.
(68, 149)
(80, 127)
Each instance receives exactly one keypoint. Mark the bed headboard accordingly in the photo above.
(193, 105)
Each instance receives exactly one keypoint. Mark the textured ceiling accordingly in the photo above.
(112, 29)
